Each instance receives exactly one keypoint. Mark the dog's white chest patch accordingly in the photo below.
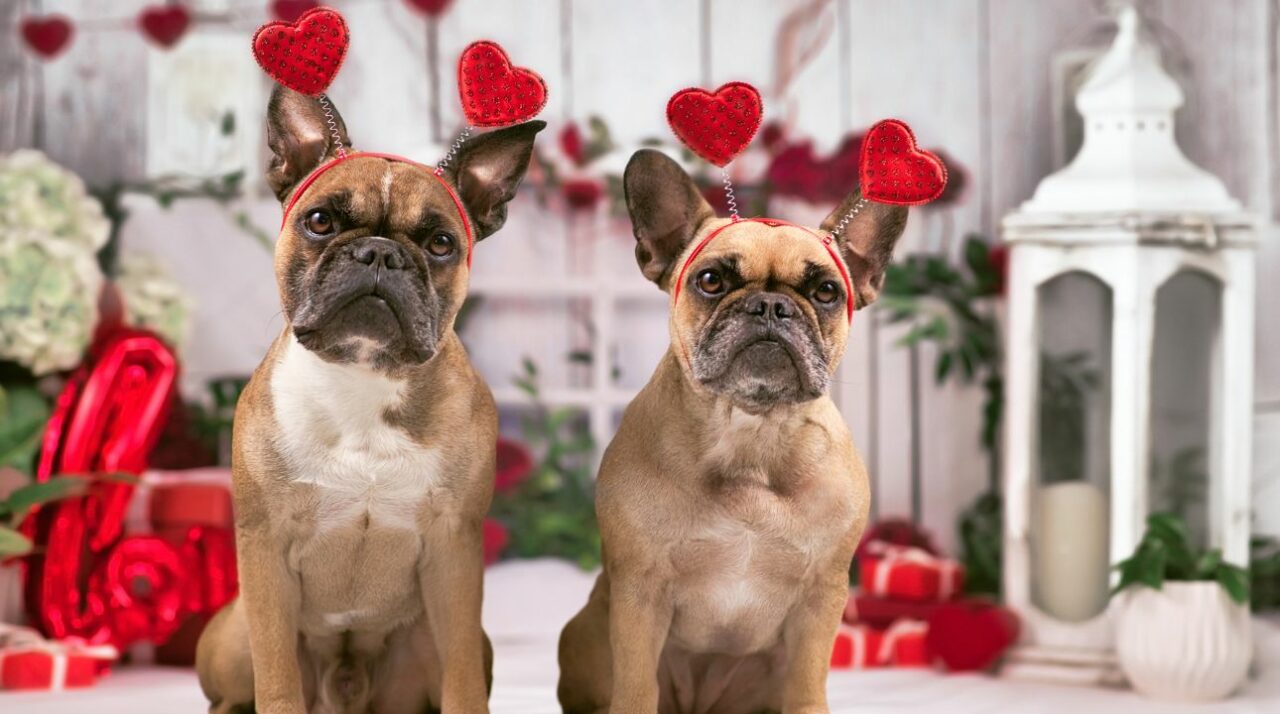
(334, 435)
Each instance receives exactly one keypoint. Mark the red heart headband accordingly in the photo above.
(719, 125)
(305, 55)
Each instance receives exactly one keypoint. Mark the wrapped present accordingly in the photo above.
(856, 647)
(905, 644)
(907, 573)
(179, 500)
(28, 661)
(882, 612)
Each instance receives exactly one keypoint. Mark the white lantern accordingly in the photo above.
(1132, 217)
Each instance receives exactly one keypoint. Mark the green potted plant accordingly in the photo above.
(1182, 627)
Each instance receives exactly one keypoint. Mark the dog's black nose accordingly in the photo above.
(770, 306)
(376, 251)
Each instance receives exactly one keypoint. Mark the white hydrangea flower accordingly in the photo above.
(50, 232)
(153, 299)
(48, 300)
(39, 195)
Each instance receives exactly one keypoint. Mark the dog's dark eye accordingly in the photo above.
(440, 245)
(826, 293)
(319, 223)
(710, 282)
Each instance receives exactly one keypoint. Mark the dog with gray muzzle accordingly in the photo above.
(363, 455)
(732, 498)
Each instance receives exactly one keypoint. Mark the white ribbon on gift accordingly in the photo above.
(896, 631)
(859, 649)
(891, 555)
(24, 640)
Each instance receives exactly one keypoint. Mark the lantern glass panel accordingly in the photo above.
(1188, 306)
(1070, 511)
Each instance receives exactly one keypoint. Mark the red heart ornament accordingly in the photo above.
(164, 24)
(431, 8)
(291, 10)
(47, 36)
(894, 170)
(716, 126)
(970, 635)
(303, 55)
(493, 92)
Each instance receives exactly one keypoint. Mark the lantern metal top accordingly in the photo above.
(1129, 169)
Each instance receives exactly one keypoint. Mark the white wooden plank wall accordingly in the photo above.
(971, 76)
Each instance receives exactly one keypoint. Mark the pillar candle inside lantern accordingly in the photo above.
(1071, 537)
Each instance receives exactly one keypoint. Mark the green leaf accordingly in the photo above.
(1208, 564)
(976, 255)
(25, 497)
(943, 367)
(1235, 580)
(22, 421)
(13, 543)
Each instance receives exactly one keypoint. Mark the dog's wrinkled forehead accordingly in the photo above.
(759, 252)
(384, 196)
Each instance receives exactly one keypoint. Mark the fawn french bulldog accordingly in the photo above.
(363, 453)
(732, 498)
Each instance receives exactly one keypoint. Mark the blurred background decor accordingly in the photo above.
(131, 155)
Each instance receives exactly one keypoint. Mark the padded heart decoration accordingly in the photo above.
(47, 36)
(716, 126)
(970, 635)
(291, 10)
(303, 55)
(165, 24)
(894, 170)
(493, 92)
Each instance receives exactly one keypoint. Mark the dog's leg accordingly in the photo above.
(271, 601)
(640, 614)
(452, 581)
(808, 635)
(586, 664)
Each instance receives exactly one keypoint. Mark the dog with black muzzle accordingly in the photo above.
(363, 454)
(732, 498)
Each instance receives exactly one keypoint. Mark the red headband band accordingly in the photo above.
(772, 223)
(311, 178)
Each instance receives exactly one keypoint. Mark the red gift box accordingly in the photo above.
(906, 644)
(856, 647)
(907, 573)
(881, 612)
(28, 661)
(177, 507)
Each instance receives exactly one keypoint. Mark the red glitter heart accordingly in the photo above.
(164, 24)
(303, 55)
(47, 36)
(716, 126)
(291, 10)
(894, 170)
(493, 92)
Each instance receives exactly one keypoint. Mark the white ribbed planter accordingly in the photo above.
(1186, 642)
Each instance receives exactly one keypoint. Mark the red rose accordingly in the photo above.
(771, 136)
(571, 143)
(582, 194)
(897, 531)
(514, 465)
(495, 540)
(998, 256)
(795, 171)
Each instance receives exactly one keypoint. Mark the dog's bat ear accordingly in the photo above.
(299, 137)
(867, 241)
(666, 211)
(489, 169)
